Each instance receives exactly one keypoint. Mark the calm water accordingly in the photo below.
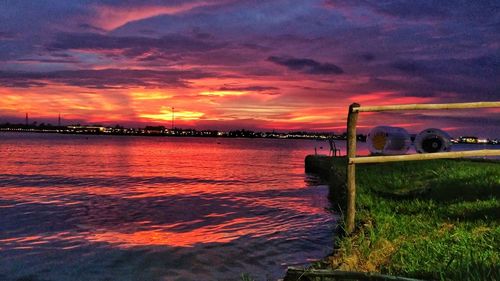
(137, 208)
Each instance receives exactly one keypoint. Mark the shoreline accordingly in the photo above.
(319, 137)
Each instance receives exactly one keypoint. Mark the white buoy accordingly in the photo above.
(432, 140)
(388, 140)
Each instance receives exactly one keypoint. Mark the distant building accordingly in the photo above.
(483, 141)
(468, 139)
(87, 129)
(154, 130)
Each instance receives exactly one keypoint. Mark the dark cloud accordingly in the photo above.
(470, 117)
(247, 88)
(90, 28)
(146, 3)
(443, 79)
(21, 83)
(131, 45)
(430, 9)
(368, 57)
(6, 35)
(49, 60)
(411, 67)
(477, 72)
(307, 66)
(102, 79)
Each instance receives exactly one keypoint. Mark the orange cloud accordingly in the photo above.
(152, 95)
(386, 98)
(110, 18)
(222, 93)
(166, 115)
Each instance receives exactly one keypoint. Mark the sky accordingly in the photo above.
(243, 64)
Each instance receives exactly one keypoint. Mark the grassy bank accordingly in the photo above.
(435, 220)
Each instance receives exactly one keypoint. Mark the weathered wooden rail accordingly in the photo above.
(352, 119)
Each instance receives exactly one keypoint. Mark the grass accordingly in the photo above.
(246, 277)
(434, 220)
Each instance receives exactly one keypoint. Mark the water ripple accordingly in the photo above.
(158, 209)
(40, 180)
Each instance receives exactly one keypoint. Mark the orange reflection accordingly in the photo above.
(159, 191)
(164, 238)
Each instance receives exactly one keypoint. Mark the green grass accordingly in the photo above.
(436, 220)
(246, 277)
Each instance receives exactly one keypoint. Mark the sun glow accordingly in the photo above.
(150, 95)
(223, 93)
(166, 115)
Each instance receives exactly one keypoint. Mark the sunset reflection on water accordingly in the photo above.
(82, 204)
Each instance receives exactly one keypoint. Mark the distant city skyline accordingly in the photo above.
(59, 120)
(98, 129)
(258, 65)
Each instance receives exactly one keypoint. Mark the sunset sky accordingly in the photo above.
(260, 65)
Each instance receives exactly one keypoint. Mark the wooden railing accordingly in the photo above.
(352, 120)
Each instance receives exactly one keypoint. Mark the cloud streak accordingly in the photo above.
(307, 66)
(132, 46)
(102, 79)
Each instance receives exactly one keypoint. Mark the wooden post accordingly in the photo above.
(352, 119)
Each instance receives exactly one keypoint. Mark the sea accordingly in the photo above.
(76, 207)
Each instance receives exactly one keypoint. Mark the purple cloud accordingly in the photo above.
(102, 79)
(247, 88)
(439, 51)
(133, 45)
(307, 66)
